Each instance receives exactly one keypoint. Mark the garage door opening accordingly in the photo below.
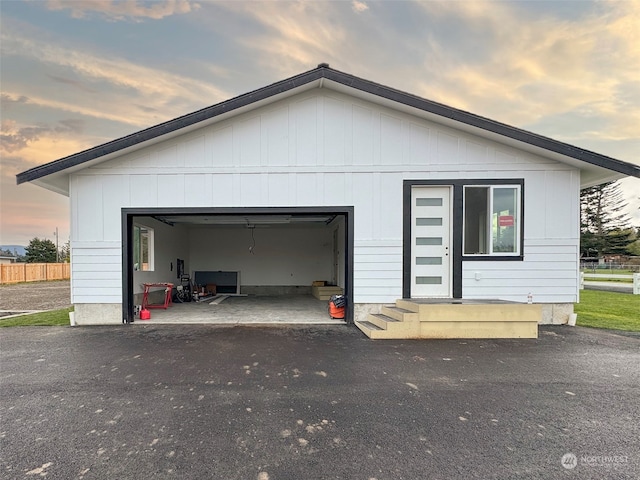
(241, 265)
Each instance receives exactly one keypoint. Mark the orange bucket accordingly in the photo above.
(335, 312)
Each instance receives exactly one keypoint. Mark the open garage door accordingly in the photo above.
(247, 255)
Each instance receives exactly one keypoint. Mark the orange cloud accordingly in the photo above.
(37, 144)
(122, 10)
(157, 90)
(28, 211)
(359, 7)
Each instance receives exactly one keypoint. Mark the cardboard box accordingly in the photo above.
(318, 283)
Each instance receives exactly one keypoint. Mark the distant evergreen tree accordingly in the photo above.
(618, 241)
(40, 251)
(601, 213)
(634, 247)
(65, 252)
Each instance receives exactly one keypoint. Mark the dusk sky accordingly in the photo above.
(75, 74)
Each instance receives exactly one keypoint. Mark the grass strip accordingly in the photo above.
(42, 319)
(612, 310)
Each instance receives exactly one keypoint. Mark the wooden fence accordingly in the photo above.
(34, 272)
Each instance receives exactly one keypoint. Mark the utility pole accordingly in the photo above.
(57, 249)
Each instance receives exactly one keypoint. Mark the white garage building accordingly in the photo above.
(327, 176)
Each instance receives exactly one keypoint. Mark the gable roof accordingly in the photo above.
(320, 76)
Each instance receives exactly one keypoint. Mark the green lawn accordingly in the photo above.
(46, 319)
(617, 311)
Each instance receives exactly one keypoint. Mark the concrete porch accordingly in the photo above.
(453, 318)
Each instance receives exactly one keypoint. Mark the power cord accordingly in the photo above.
(253, 240)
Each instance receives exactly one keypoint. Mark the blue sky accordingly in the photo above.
(79, 73)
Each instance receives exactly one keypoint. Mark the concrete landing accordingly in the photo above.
(453, 318)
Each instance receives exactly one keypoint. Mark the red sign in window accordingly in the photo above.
(505, 220)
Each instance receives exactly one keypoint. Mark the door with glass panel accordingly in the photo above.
(431, 238)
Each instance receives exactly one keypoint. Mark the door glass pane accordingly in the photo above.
(429, 280)
(428, 222)
(504, 220)
(476, 206)
(428, 260)
(428, 240)
(428, 202)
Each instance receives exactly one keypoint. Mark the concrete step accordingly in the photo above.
(392, 328)
(381, 320)
(399, 313)
(369, 329)
(408, 305)
(376, 333)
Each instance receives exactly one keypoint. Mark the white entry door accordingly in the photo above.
(431, 238)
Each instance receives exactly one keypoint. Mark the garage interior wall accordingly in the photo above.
(169, 244)
(279, 255)
(340, 244)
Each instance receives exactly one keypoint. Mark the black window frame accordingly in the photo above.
(457, 223)
(493, 256)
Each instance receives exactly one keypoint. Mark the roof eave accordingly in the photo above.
(323, 71)
(170, 126)
(485, 124)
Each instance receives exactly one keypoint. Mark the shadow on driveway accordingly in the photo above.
(314, 402)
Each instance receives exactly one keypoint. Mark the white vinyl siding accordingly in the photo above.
(377, 273)
(549, 272)
(96, 272)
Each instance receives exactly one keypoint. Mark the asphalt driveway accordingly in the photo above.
(315, 402)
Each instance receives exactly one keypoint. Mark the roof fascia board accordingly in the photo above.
(178, 125)
(590, 170)
(441, 113)
(175, 133)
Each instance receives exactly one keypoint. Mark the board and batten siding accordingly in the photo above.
(323, 148)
